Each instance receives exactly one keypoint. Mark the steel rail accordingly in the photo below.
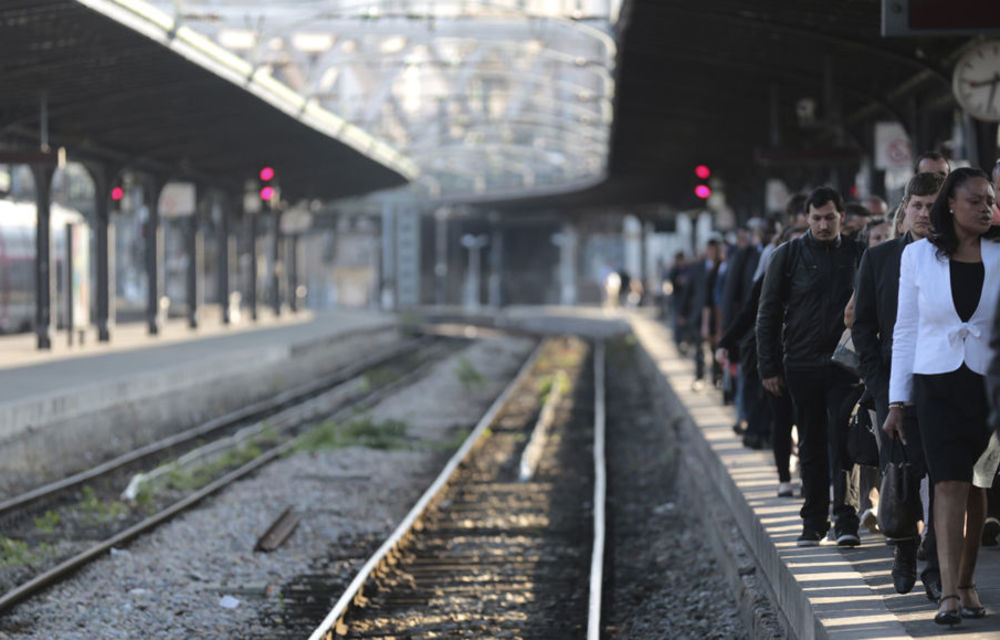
(295, 394)
(68, 566)
(600, 497)
(328, 627)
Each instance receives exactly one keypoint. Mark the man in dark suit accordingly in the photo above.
(874, 319)
(735, 296)
(699, 305)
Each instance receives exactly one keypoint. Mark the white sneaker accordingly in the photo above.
(785, 490)
(869, 520)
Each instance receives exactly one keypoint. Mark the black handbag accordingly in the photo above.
(899, 506)
(845, 355)
(862, 447)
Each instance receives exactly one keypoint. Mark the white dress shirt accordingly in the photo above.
(929, 336)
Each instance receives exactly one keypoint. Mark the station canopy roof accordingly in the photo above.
(770, 88)
(489, 98)
(120, 81)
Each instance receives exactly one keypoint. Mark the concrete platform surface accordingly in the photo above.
(26, 371)
(65, 409)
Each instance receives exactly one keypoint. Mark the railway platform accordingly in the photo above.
(68, 406)
(821, 592)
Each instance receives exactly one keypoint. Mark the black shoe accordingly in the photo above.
(810, 537)
(991, 529)
(847, 536)
(932, 584)
(950, 617)
(739, 429)
(971, 612)
(752, 441)
(904, 566)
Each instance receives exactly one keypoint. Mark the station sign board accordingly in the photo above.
(177, 200)
(940, 17)
(892, 147)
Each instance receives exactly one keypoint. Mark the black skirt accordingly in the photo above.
(952, 411)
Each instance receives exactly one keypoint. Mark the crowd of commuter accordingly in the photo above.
(873, 336)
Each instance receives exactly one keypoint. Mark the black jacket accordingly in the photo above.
(697, 294)
(739, 338)
(875, 299)
(739, 281)
(801, 314)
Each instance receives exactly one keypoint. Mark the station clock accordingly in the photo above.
(976, 81)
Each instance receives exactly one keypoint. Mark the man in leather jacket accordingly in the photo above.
(799, 322)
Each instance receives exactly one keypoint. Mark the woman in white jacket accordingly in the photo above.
(948, 289)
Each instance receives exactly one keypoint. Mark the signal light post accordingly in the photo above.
(270, 197)
(701, 190)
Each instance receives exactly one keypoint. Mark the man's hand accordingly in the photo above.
(893, 426)
(722, 355)
(774, 385)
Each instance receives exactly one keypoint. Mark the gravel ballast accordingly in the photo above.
(198, 576)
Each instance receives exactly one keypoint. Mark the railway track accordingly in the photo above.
(487, 551)
(260, 433)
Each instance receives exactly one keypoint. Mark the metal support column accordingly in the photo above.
(387, 290)
(441, 257)
(43, 254)
(224, 249)
(276, 266)
(195, 246)
(494, 297)
(252, 224)
(292, 258)
(102, 176)
(567, 265)
(155, 305)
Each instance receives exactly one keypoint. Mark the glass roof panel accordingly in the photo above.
(489, 97)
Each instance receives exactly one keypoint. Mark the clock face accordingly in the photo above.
(976, 81)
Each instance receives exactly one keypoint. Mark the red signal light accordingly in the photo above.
(267, 193)
(702, 171)
(702, 191)
(117, 194)
(267, 173)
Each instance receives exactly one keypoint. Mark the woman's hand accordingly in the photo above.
(893, 426)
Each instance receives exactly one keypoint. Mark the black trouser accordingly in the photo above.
(699, 356)
(783, 414)
(758, 410)
(915, 454)
(818, 394)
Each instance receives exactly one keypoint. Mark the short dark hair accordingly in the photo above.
(876, 221)
(936, 156)
(796, 204)
(866, 233)
(856, 209)
(822, 195)
(942, 217)
(923, 184)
